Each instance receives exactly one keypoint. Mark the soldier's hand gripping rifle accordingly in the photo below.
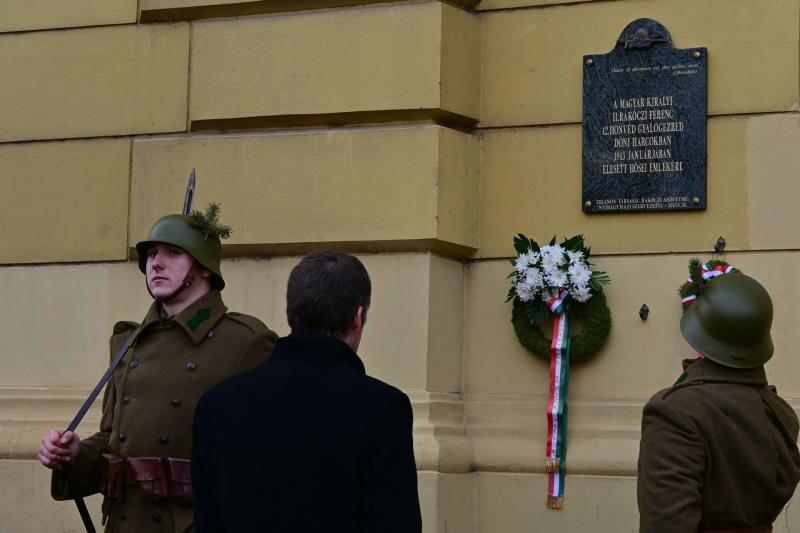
(87, 403)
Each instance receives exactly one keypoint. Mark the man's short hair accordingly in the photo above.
(325, 289)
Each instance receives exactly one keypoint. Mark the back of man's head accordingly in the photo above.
(324, 292)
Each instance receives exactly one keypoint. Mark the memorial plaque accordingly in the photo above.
(644, 124)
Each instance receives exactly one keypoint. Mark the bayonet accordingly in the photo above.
(187, 199)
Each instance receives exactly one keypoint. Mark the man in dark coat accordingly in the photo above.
(186, 343)
(719, 448)
(307, 442)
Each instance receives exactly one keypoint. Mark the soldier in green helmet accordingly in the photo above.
(187, 342)
(719, 449)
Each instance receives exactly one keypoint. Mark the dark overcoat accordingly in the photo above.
(150, 399)
(305, 442)
(718, 451)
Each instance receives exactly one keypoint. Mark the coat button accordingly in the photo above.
(134, 363)
(176, 402)
(123, 516)
(163, 439)
(126, 400)
(191, 366)
(156, 516)
(122, 436)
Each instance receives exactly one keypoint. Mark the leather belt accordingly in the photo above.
(159, 479)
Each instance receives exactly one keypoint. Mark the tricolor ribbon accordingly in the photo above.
(556, 452)
(709, 272)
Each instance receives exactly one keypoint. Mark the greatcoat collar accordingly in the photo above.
(704, 370)
(197, 320)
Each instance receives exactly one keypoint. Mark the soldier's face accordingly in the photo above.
(166, 268)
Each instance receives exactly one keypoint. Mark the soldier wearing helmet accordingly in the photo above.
(187, 342)
(719, 448)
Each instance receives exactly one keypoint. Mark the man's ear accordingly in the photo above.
(359, 319)
(205, 273)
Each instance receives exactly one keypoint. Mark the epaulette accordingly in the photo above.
(124, 326)
(680, 385)
(251, 322)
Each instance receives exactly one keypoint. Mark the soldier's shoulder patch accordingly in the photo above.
(251, 322)
(123, 326)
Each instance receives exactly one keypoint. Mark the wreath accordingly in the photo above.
(551, 273)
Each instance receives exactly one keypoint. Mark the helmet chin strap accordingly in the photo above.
(188, 281)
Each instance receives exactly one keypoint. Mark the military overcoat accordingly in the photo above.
(718, 451)
(150, 400)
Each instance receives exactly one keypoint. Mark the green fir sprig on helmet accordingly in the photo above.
(209, 223)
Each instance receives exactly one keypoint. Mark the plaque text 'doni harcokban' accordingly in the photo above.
(644, 124)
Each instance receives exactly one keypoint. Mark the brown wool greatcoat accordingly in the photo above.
(718, 451)
(150, 400)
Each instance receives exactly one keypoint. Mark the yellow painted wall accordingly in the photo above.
(171, 10)
(63, 84)
(21, 15)
(66, 201)
(346, 185)
(372, 59)
(421, 135)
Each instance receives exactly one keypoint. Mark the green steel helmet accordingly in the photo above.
(184, 232)
(730, 322)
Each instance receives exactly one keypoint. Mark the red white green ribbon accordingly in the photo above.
(709, 272)
(556, 452)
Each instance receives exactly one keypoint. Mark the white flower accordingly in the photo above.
(557, 278)
(581, 293)
(579, 274)
(525, 292)
(526, 260)
(552, 259)
(528, 284)
(554, 249)
(534, 279)
(575, 257)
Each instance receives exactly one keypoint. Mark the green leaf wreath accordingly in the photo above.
(544, 272)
